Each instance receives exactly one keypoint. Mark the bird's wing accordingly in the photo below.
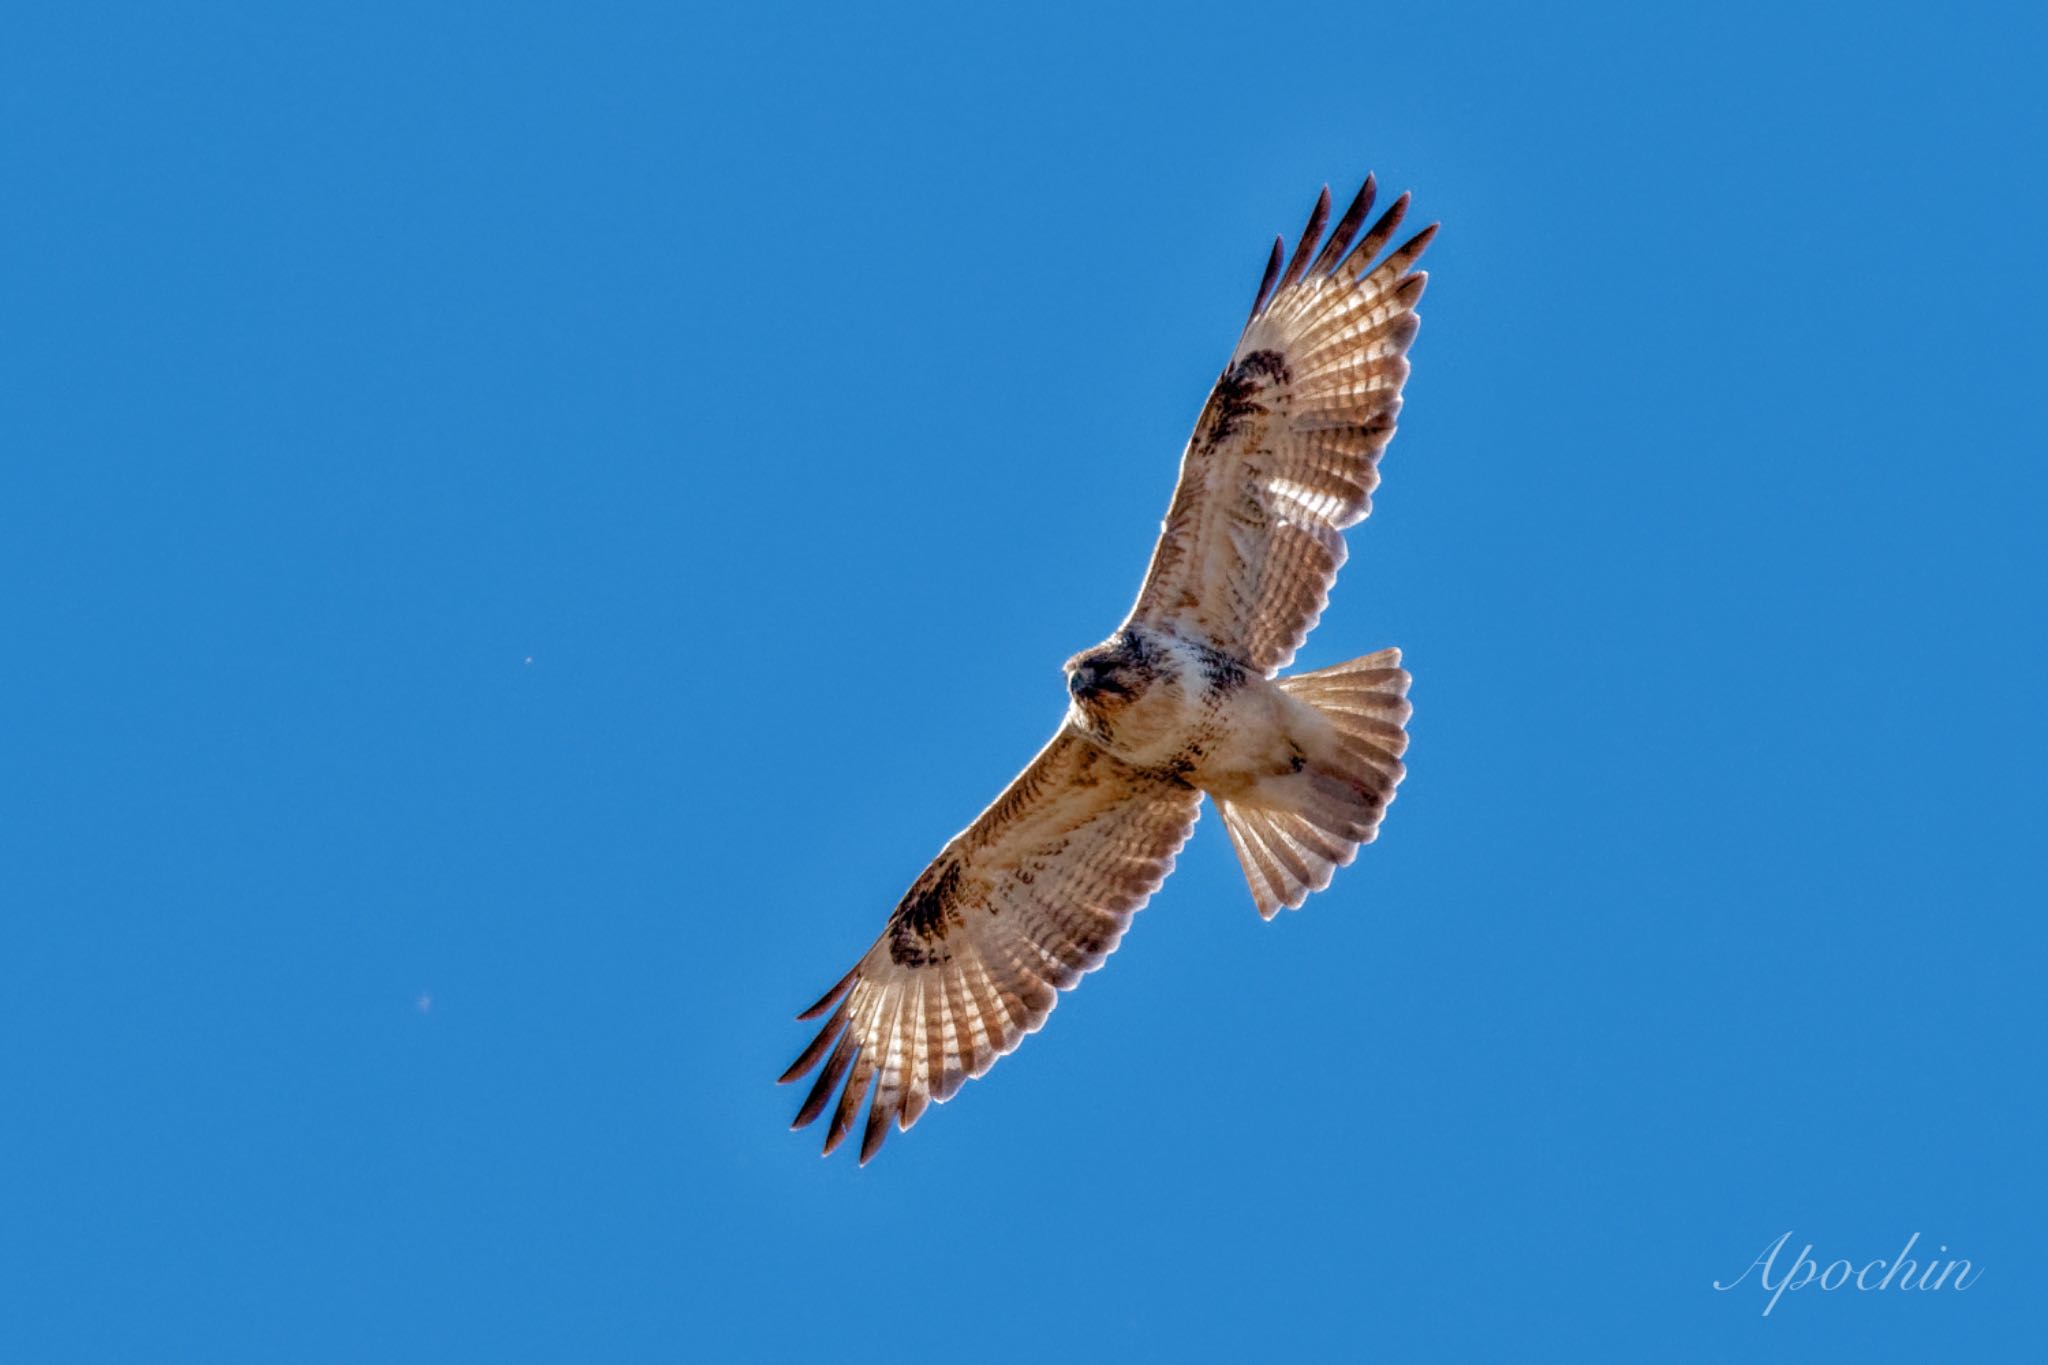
(1036, 892)
(1283, 457)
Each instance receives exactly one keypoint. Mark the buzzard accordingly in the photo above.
(1181, 700)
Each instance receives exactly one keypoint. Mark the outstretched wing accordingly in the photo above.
(1036, 892)
(1283, 457)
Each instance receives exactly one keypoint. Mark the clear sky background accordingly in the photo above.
(523, 531)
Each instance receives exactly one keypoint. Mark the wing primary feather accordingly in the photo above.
(845, 984)
(1340, 236)
(917, 1085)
(981, 1042)
(1405, 254)
(888, 1084)
(914, 1103)
(872, 1133)
(1272, 273)
(817, 1048)
(1408, 294)
(850, 1098)
(1310, 235)
(1376, 236)
(814, 1103)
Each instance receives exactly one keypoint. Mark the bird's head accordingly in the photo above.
(1109, 677)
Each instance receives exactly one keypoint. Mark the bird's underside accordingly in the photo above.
(1182, 700)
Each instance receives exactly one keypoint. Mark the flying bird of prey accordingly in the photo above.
(1183, 699)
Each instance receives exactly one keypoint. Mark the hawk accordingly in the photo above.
(1184, 699)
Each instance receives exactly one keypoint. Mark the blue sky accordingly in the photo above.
(525, 530)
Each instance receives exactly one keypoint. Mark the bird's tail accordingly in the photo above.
(1292, 835)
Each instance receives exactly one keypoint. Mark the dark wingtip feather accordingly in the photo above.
(814, 1103)
(877, 1129)
(825, 1000)
(1376, 236)
(1406, 254)
(1272, 274)
(849, 1102)
(811, 1054)
(1310, 235)
(1347, 226)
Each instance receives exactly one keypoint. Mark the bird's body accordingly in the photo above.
(1183, 700)
(1167, 704)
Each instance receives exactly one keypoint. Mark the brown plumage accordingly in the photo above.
(1181, 701)
(1285, 454)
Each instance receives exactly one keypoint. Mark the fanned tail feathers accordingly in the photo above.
(1293, 846)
